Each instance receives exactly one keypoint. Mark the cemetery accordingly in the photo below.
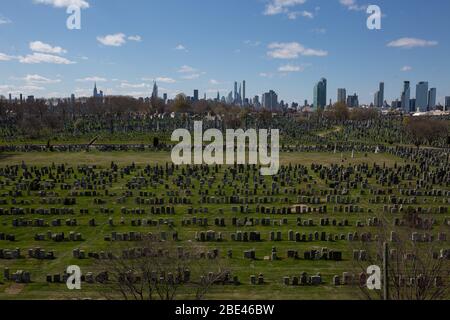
(296, 235)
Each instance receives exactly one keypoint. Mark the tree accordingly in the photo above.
(425, 130)
(339, 111)
(161, 270)
(181, 104)
(416, 269)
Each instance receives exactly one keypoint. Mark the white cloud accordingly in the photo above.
(165, 80)
(180, 47)
(292, 50)
(186, 69)
(135, 38)
(406, 68)
(192, 76)
(83, 4)
(113, 40)
(92, 79)
(251, 43)
(5, 57)
(37, 79)
(4, 20)
(44, 58)
(409, 43)
(296, 14)
(133, 86)
(214, 82)
(39, 46)
(353, 5)
(6, 89)
(291, 68)
(266, 75)
(281, 6)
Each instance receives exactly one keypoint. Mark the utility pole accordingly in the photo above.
(385, 271)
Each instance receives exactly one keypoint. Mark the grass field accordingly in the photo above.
(272, 270)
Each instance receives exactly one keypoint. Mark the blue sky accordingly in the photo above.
(285, 45)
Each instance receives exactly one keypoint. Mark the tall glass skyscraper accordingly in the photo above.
(342, 95)
(379, 96)
(406, 95)
(432, 99)
(422, 96)
(320, 94)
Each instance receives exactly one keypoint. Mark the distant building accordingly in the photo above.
(447, 103)
(406, 96)
(97, 94)
(165, 97)
(342, 96)
(320, 94)
(432, 99)
(421, 97)
(412, 105)
(155, 91)
(270, 100)
(379, 96)
(353, 101)
(30, 99)
(195, 95)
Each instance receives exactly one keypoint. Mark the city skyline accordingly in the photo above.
(304, 43)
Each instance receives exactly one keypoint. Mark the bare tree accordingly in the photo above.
(417, 262)
(163, 270)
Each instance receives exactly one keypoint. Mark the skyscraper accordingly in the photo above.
(421, 96)
(447, 103)
(270, 100)
(379, 96)
(243, 91)
(155, 91)
(320, 94)
(342, 96)
(406, 95)
(353, 101)
(195, 95)
(432, 99)
(235, 91)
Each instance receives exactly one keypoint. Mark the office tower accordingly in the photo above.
(421, 97)
(218, 96)
(235, 91)
(95, 94)
(270, 100)
(412, 105)
(379, 96)
(195, 95)
(243, 91)
(342, 96)
(447, 103)
(155, 91)
(230, 97)
(256, 103)
(432, 99)
(320, 94)
(10, 98)
(21, 98)
(406, 95)
(165, 97)
(353, 101)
